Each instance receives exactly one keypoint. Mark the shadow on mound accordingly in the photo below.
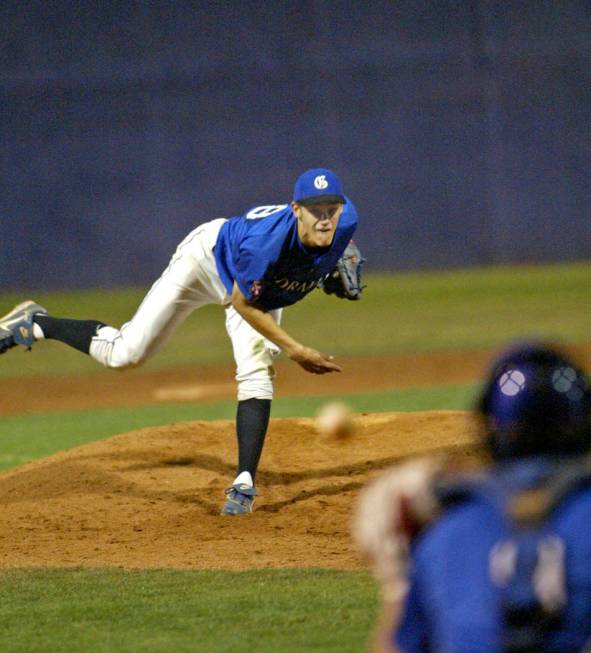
(151, 498)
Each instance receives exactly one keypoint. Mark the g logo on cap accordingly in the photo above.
(318, 185)
(320, 182)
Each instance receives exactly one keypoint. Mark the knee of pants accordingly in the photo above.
(114, 352)
(256, 385)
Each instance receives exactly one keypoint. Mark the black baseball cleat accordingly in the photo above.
(239, 499)
(16, 327)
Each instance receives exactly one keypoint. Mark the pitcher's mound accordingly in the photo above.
(151, 498)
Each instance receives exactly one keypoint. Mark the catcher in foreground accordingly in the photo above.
(253, 265)
(497, 561)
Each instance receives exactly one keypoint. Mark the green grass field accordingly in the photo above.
(118, 611)
(451, 310)
(82, 611)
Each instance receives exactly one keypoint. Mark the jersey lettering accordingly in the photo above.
(264, 211)
(298, 286)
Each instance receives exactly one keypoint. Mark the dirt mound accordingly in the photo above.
(151, 498)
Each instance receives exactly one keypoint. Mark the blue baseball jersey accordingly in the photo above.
(454, 606)
(262, 252)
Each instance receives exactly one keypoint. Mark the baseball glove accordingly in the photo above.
(390, 512)
(345, 279)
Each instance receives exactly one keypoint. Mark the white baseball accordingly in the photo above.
(334, 420)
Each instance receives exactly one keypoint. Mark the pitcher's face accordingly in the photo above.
(317, 223)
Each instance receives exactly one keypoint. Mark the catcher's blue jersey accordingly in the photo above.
(453, 604)
(262, 252)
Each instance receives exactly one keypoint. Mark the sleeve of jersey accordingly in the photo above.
(451, 599)
(348, 222)
(409, 635)
(252, 260)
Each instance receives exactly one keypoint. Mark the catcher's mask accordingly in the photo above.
(536, 402)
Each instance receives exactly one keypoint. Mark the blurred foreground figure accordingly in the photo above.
(497, 561)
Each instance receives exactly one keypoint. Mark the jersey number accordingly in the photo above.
(264, 211)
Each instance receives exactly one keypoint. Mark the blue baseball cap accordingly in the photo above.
(316, 186)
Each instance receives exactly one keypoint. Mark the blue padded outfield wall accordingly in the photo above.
(461, 129)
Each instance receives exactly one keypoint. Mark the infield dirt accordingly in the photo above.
(150, 498)
(139, 386)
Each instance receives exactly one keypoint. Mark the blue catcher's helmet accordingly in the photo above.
(536, 402)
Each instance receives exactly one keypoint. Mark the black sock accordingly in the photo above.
(76, 333)
(252, 420)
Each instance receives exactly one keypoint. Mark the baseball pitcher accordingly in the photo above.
(253, 265)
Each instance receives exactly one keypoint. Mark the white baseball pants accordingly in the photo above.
(190, 281)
